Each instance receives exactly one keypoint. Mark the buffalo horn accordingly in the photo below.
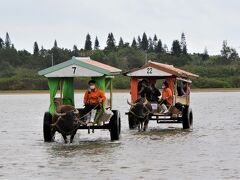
(76, 111)
(131, 104)
(145, 102)
(60, 114)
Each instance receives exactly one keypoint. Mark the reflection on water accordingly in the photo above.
(161, 134)
(85, 148)
(209, 151)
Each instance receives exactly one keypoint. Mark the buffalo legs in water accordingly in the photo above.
(72, 136)
(143, 125)
(64, 136)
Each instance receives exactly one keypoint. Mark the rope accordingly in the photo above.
(64, 132)
(142, 117)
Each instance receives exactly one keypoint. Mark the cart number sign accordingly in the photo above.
(149, 70)
(74, 70)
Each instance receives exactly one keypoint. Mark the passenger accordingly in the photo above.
(180, 88)
(144, 90)
(167, 97)
(186, 89)
(93, 98)
(155, 93)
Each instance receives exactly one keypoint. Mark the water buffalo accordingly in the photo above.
(65, 120)
(140, 110)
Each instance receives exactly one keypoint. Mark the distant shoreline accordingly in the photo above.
(117, 90)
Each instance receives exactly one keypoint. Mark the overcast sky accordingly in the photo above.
(206, 23)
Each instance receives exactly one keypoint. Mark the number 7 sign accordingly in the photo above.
(74, 70)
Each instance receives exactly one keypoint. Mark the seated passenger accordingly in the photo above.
(186, 89)
(155, 93)
(180, 89)
(93, 98)
(144, 90)
(167, 97)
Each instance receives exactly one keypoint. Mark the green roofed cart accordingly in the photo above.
(61, 79)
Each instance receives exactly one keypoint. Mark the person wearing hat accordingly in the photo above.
(93, 98)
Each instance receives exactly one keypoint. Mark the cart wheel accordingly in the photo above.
(187, 119)
(120, 124)
(48, 137)
(131, 122)
(115, 125)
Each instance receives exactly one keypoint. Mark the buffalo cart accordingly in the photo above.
(179, 82)
(61, 80)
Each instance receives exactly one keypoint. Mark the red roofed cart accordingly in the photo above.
(176, 78)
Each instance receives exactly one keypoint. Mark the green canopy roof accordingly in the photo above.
(80, 67)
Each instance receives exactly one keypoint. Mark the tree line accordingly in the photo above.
(18, 68)
(148, 44)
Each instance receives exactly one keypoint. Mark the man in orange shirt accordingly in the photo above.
(167, 97)
(93, 98)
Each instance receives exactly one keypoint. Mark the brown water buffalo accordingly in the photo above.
(65, 121)
(139, 111)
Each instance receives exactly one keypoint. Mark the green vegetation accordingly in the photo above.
(18, 68)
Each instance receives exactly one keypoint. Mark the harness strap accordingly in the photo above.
(79, 122)
(142, 117)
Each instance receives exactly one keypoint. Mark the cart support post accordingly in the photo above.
(111, 93)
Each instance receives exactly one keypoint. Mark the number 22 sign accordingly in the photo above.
(149, 70)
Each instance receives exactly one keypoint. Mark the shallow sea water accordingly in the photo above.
(210, 151)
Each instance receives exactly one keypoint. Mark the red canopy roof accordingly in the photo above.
(169, 69)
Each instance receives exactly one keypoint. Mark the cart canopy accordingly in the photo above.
(156, 69)
(153, 71)
(80, 67)
(62, 76)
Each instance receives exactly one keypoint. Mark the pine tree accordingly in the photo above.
(155, 41)
(42, 52)
(1, 43)
(121, 43)
(233, 55)
(75, 50)
(139, 42)
(110, 42)
(88, 43)
(183, 44)
(225, 52)
(144, 43)
(155, 37)
(176, 48)
(159, 48)
(228, 53)
(96, 44)
(205, 55)
(134, 43)
(75, 47)
(151, 45)
(7, 41)
(113, 41)
(35, 49)
(55, 46)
